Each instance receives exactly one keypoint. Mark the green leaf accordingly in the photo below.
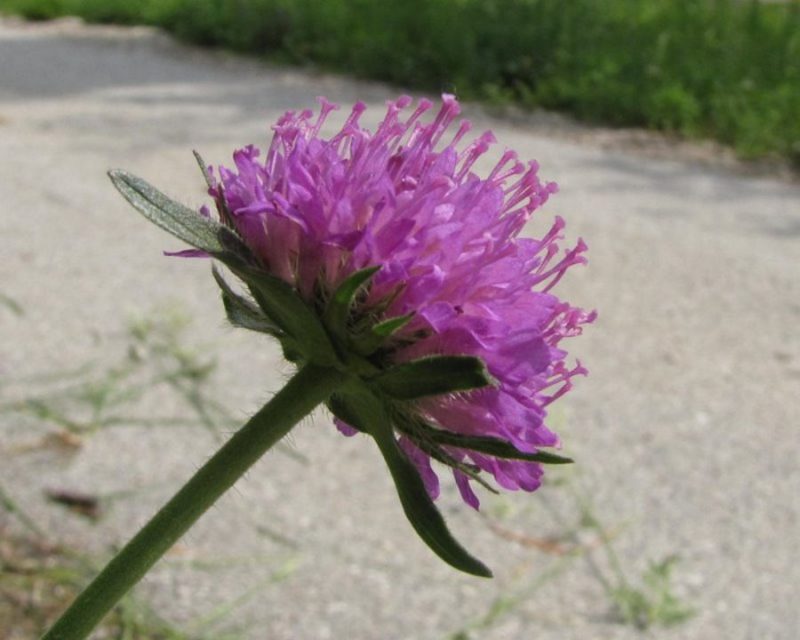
(337, 312)
(370, 415)
(367, 342)
(291, 314)
(204, 169)
(181, 221)
(388, 327)
(432, 376)
(243, 313)
(488, 445)
(439, 454)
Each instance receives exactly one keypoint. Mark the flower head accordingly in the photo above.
(452, 265)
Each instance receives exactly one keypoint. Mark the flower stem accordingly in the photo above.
(311, 386)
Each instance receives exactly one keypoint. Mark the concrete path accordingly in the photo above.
(686, 432)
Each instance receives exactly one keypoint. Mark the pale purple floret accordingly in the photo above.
(315, 210)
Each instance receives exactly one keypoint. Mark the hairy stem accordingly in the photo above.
(311, 386)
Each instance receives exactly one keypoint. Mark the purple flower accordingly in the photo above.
(314, 211)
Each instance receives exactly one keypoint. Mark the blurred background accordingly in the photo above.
(722, 69)
(673, 130)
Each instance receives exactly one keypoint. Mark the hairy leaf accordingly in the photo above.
(179, 220)
(371, 415)
(432, 376)
(340, 304)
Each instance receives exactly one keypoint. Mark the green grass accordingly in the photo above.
(725, 69)
(644, 602)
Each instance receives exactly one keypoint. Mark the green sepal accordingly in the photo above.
(484, 444)
(433, 376)
(367, 342)
(391, 325)
(367, 412)
(283, 306)
(472, 471)
(417, 430)
(243, 313)
(337, 312)
(181, 221)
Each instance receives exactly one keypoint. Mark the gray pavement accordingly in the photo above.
(685, 433)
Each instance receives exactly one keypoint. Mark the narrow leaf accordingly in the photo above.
(433, 376)
(338, 309)
(179, 220)
(488, 445)
(439, 454)
(369, 341)
(388, 327)
(417, 504)
(243, 313)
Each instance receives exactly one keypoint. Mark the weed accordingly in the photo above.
(653, 603)
(650, 603)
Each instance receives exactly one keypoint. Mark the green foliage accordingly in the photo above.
(648, 603)
(653, 603)
(728, 69)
